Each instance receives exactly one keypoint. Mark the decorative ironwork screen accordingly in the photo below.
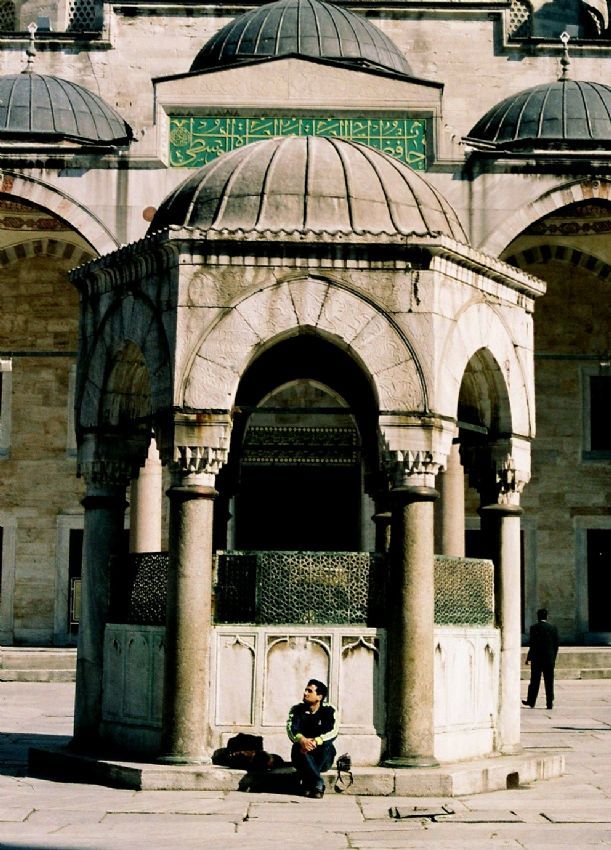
(196, 141)
(464, 591)
(300, 588)
(303, 588)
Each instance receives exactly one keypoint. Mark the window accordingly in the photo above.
(6, 388)
(74, 16)
(596, 431)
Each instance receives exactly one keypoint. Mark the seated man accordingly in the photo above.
(312, 727)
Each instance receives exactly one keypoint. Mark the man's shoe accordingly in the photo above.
(314, 793)
(525, 702)
(550, 705)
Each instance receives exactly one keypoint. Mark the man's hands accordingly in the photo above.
(307, 745)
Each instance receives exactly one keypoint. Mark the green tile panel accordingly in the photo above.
(197, 141)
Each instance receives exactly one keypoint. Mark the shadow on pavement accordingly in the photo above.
(14, 748)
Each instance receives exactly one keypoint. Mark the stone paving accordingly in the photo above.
(571, 812)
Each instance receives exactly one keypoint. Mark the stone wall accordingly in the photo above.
(258, 672)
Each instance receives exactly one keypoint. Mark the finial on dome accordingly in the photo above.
(564, 59)
(30, 51)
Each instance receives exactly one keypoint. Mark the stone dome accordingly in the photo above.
(36, 107)
(563, 115)
(312, 184)
(303, 27)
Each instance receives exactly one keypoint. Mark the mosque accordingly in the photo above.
(304, 355)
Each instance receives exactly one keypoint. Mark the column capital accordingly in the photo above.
(500, 471)
(196, 444)
(106, 462)
(413, 469)
(415, 448)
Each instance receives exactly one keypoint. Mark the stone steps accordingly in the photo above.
(58, 664)
(578, 662)
(37, 664)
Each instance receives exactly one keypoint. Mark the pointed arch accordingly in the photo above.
(307, 305)
(480, 329)
(74, 213)
(550, 201)
(130, 352)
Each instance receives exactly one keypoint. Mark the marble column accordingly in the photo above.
(189, 622)
(501, 527)
(145, 505)
(452, 506)
(410, 726)
(103, 531)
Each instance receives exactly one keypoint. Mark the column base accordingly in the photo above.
(171, 759)
(406, 762)
(511, 750)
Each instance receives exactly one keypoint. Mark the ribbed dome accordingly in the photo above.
(312, 184)
(38, 107)
(304, 27)
(562, 115)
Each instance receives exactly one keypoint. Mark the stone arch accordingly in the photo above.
(57, 202)
(550, 201)
(479, 328)
(46, 247)
(304, 305)
(131, 328)
(546, 253)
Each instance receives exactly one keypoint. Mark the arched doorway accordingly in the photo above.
(303, 452)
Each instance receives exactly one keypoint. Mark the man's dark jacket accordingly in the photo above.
(322, 725)
(543, 644)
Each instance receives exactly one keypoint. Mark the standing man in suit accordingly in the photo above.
(542, 652)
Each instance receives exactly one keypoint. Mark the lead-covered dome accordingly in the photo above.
(304, 27)
(563, 115)
(37, 107)
(312, 184)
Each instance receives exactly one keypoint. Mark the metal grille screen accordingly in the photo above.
(301, 588)
(464, 591)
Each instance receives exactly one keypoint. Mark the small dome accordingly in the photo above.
(303, 27)
(36, 107)
(563, 115)
(312, 184)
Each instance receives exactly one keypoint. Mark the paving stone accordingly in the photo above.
(10, 814)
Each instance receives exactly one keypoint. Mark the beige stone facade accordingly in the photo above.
(549, 214)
